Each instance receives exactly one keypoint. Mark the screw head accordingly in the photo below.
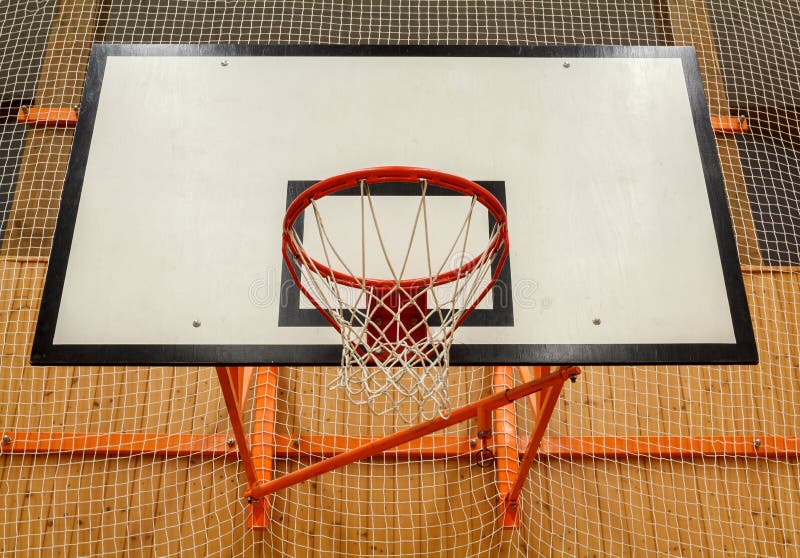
(6, 439)
(473, 443)
(224, 63)
(513, 506)
(231, 442)
(566, 64)
(296, 442)
(573, 378)
(196, 323)
(757, 442)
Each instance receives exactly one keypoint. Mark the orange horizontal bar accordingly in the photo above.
(428, 447)
(62, 117)
(670, 447)
(118, 444)
(730, 124)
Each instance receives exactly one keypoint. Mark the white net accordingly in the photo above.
(662, 461)
(396, 319)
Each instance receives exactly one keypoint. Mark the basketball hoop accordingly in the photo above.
(396, 331)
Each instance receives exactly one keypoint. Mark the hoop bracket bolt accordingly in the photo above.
(573, 378)
(6, 439)
(756, 443)
(231, 442)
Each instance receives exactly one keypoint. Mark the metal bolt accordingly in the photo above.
(573, 378)
(741, 119)
(484, 433)
(513, 506)
(596, 321)
(566, 64)
(757, 442)
(224, 63)
(196, 323)
(250, 499)
(473, 443)
(231, 442)
(296, 442)
(378, 350)
(6, 439)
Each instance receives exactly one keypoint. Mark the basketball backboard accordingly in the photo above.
(168, 244)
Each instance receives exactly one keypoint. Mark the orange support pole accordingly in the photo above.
(542, 419)
(412, 433)
(228, 378)
(263, 440)
(505, 446)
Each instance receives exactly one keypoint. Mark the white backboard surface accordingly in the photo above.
(178, 187)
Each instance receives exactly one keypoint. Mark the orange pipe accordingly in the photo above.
(505, 447)
(227, 377)
(671, 447)
(263, 439)
(414, 432)
(730, 124)
(118, 444)
(59, 117)
(429, 447)
(324, 446)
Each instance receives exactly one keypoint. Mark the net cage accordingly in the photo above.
(661, 461)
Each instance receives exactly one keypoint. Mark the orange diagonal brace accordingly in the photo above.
(505, 444)
(263, 440)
